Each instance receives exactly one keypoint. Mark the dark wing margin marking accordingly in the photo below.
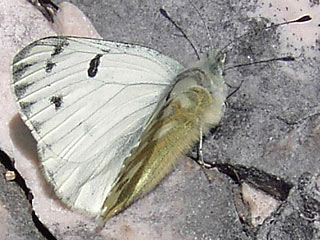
(23, 53)
(19, 69)
(20, 89)
(93, 66)
(26, 108)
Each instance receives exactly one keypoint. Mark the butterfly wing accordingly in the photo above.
(186, 114)
(86, 102)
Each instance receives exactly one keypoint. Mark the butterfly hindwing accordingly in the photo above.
(180, 119)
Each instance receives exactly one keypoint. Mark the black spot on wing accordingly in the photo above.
(49, 66)
(56, 101)
(93, 66)
(59, 47)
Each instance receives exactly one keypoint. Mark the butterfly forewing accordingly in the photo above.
(86, 102)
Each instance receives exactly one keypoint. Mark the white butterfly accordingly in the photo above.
(111, 119)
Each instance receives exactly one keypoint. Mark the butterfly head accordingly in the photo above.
(212, 63)
(212, 66)
(215, 62)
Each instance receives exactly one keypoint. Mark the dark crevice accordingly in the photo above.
(42, 228)
(9, 165)
(268, 183)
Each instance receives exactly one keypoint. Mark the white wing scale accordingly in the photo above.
(86, 102)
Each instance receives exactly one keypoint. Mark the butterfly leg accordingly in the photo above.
(200, 149)
(200, 160)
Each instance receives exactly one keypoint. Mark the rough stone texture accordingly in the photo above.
(298, 217)
(271, 123)
(15, 210)
(261, 205)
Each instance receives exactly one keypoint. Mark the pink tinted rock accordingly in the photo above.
(21, 147)
(261, 205)
(71, 21)
(64, 223)
(21, 24)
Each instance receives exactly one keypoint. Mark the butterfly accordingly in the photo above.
(111, 119)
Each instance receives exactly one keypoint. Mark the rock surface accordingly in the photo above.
(271, 123)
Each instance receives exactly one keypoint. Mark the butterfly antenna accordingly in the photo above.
(204, 23)
(166, 15)
(285, 59)
(302, 19)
